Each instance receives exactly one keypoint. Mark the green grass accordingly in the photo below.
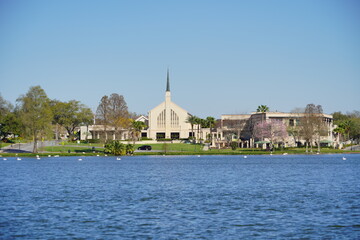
(2, 144)
(65, 149)
(173, 149)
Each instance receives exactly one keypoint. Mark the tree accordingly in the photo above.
(198, 122)
(210, 124)
(71, 115)
(5, 107)
(103, 113)
(136, 127)
(262, 108)
(113, 111)
(35, 113)
(115, 147)
(274, 131)
(312, 125)
(192, 120)
(348, 125)
(118, 111)
(10, 125)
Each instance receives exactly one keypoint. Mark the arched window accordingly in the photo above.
(161, 119)
(174, 119)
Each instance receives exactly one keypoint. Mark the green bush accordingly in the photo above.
(145, 138)
(115, 147)
(233, 145)
(164, 139)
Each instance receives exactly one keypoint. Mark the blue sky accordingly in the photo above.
(225, 57)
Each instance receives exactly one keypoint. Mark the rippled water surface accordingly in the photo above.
(181, 197)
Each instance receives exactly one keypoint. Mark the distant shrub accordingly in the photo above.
(145, 138)
(233, 145)
(164, 139)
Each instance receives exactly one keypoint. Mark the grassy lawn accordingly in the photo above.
(2, 144)
(182, 148)
(66, 149)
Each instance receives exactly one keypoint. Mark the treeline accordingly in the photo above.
(348, 125)
(37, 117)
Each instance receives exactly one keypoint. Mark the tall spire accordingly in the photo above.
(168, 82)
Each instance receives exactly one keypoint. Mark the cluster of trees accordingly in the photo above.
(35, 116)
(200, 123)
(115, 147)
(113, 112)
(274, 131)
(348, 125)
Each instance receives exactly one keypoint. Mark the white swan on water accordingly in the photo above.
(343, 158)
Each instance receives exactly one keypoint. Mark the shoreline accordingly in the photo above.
(59, 154)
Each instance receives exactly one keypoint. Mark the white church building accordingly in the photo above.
(168, 120)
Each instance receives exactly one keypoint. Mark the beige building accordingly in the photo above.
(168, 120)
(240, 127)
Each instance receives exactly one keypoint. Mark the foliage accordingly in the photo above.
(348, 125)
(312, 125)
(136, 127)
(234, 145)
(10, 125)
(35, 113)
(274, 131)
(262, 108)
(115, 147)
(113, 111)
(145, 138)
(164, 139)
(130, 149)
(192, 120)
(71, 115)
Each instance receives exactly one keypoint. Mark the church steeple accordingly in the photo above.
(168, 82)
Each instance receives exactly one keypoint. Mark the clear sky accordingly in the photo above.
(225, 57)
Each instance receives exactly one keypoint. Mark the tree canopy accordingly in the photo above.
(35, 113)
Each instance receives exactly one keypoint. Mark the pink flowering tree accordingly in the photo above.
(273, 130)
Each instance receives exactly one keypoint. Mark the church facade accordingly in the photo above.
(168, 120)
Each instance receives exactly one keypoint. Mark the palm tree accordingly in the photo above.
(198, 122)
(211, 123)
(192, 120)
(137, 126)
(262, 108)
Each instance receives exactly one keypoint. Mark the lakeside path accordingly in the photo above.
(25, 147)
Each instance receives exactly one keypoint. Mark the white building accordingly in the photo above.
(168, 120)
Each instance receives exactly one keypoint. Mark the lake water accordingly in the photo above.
(181, 197)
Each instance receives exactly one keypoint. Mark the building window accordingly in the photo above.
(291, 122)
(175, 135)
(160, 135)
(161, 119)
(174, 119)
